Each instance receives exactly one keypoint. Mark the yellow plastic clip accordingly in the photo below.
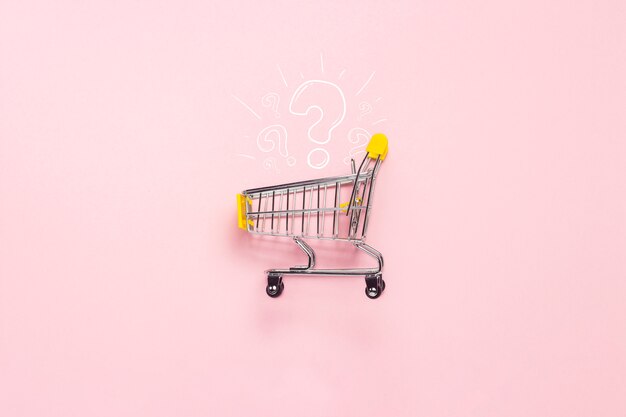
(242, 209)
(378, 146)
(344, 206)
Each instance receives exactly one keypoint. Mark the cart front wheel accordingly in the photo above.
(274, 290)
(275, 285)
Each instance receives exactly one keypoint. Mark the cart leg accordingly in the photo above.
(275, 285)
(374, 283)
(309, 252)
(373, 253)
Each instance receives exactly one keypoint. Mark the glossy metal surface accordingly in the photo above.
(331, 208)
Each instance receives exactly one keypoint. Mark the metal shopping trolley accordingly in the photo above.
(333, 208)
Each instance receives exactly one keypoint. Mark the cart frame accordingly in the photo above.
(261, 212)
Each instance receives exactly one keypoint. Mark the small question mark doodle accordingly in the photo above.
(364, 108)
(271, 100)
(358, 136)
(270, 163)
(267, 138)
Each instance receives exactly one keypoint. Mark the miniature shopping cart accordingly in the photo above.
(334, 208)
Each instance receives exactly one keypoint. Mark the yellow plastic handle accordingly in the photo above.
(242, 209)
(378, 146)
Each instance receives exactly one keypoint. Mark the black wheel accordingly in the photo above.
(275, 290)
(373, 292)
(374, 285)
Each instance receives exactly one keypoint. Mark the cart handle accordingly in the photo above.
(378, 146)
(376, 149)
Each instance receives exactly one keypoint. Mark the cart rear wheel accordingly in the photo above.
(374, 286)
(373, 292)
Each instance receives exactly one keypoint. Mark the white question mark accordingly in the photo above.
(319, 164)
(305, 99)
(364, 108)
(271, 100)
(358, 136)
(267, 138)
(305, 93)
(269, 163)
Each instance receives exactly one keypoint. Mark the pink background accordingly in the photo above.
(126, 288)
